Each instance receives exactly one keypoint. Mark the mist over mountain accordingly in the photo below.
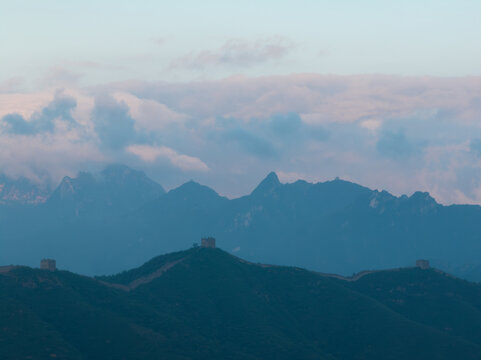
(20, 191)
(115, 190)
(103, 223)
(207, 304)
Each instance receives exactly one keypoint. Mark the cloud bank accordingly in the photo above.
(396, 133)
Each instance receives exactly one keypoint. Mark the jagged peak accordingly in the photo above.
(380, 197)
(425, 196)
(65, 180)
(421, 194)
(268, 185)
(383, 194)
(272, 177)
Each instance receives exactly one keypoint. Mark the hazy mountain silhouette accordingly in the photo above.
(20, 191)
(116, 190)
(207, 304)
(103, 223)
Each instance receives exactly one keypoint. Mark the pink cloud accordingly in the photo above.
(344, 99)
(46, 157)
(24, 104)
(150, 114)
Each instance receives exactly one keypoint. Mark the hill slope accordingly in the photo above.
(208, 304)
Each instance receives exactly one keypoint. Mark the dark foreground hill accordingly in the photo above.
(207, 304)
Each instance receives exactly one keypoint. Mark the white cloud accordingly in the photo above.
(150, 114)
(371, 124)
(151, 153)
(46, 157)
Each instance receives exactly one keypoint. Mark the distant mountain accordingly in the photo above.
(19, 202)
(116, 190)
(76, 207)
(21, 191)
(98, 224)
(207, 304)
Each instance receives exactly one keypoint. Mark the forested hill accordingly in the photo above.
(207, 304)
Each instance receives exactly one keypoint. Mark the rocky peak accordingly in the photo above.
(268, 186)
(423, 202)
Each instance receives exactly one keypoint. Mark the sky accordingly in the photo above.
(383, 93)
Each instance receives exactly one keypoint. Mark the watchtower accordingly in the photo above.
(422, 264)
(48, 264)
(208, 242)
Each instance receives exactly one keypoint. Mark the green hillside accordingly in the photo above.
(429, 297)
(207, 304)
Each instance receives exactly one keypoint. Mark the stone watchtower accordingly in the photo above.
(48, 264)
(422, 264)
(208, 242)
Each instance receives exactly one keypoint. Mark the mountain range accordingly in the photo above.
(207, 304)
(103, 223)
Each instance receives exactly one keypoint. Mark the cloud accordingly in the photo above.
(475, 146)
(371, 124)
(397, 145)
(285, 125)
(237, 52)
(46, 158)
(12, 85)
(322, 98)
(44, 121)
(270, 138)
(398, 133)
(59, 76)
(24, 104)
(290, 177)
(61, 107)
(150, 115)
(290, 128)
(16, 124)
(250, 143)
(152, 153)
(113, 123)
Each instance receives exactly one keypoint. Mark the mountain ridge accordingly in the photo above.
(335, 227)
(116, 189)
